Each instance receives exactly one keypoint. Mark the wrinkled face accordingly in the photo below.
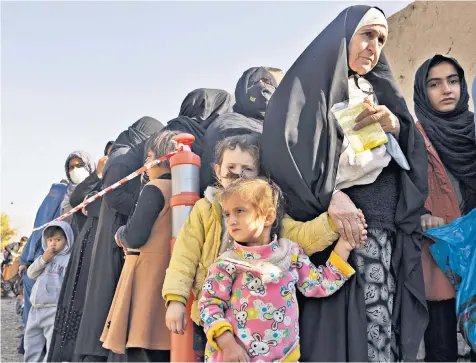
(244, 225)
(365, 48)
(444, 87)
(238, 162)
(57, 242)
(75, 163)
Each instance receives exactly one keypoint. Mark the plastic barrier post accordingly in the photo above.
(185, 166)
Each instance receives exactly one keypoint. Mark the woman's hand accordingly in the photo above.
(380, 114)
(176, 317)
(349, 220)
(232, 351)
(83, 210)
(101, 164)
(428, 222)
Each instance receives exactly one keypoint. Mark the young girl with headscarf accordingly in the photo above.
(380, 315)
(441, 106)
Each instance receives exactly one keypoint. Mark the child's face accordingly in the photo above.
(244, 224)
(57, 242)
(238, 162)
(155, 171)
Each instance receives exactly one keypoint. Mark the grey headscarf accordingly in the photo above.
(89, 165)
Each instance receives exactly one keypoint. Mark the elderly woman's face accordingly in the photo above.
(365, 48)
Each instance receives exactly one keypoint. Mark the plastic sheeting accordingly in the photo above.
(455, 252)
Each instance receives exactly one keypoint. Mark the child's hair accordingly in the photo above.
(263, 194)
(162, 143)
(248, 143)
(52, 231)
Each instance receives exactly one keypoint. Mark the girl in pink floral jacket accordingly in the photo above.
(249, 306)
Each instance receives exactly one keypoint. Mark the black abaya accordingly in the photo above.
(300, 148)
(126, 156)
(73, 291)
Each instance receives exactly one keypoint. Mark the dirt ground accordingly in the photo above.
(10, 332)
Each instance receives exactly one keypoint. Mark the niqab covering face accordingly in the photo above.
(452, 134)
(300, 149)
(253, 92)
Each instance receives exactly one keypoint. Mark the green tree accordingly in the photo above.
(7, 231)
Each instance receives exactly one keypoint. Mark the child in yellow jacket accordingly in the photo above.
(203, 236)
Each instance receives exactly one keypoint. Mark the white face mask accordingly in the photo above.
(78, 175)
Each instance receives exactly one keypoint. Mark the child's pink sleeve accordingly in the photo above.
(216, 294)
(320, 281)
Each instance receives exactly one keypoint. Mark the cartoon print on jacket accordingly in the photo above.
(241, 316)
(259, 346)
(256, 299)
(277, 316)
(254, 284)
(208, 286)
(231, 269)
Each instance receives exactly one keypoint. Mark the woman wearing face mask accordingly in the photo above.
(73, 291)
(441, 106)
(78, 167)
(253, 92)
(380, 314)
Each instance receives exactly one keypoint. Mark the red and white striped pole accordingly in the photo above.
(185, 166)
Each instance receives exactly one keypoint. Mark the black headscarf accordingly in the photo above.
(300, 148)
(129, 146)
(204, 105)
(109, 144)
(252, 93)
(452, 134)
(199, 109)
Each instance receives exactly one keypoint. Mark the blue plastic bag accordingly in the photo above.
(455, 253)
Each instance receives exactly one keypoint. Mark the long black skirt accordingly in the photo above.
(72, 296)
(107, 260)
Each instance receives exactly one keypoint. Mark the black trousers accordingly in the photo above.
(199, 342)
(441, 339)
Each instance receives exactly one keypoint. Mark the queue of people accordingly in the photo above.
(300, 248)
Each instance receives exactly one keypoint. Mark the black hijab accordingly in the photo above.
(300, 149)
(205, 104)
(452, 134)
(128, 148)
(253, 91)
(199, 109)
